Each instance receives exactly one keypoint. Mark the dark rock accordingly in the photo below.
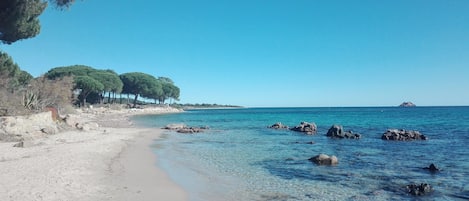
(182, 128)
(432, 168)
(336, 131)
(407, 104)
(278, 125)
(305, 127)
(191, 130)
(323, 159)
(402, 135)
(419, 190)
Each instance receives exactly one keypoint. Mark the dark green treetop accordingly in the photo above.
(19, 18)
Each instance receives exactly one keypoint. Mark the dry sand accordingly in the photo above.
(114, 162)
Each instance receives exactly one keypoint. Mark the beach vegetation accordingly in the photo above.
(20, 93)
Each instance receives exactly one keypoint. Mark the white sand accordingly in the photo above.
(104, 164)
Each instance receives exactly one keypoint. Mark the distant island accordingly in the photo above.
(407, 104)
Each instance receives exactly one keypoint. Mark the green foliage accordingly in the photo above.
(110, 81)
(107, 78)
(19, 18)
(142, 84)
(75, 70)
(87, 85)
(24, 78)
(169, 90)
(12, 77)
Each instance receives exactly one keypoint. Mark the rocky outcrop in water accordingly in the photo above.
(305, 127)
(323, 159)
(402, 135)
(278, 125)
(337, 131)
(418, 190)
(182, 128)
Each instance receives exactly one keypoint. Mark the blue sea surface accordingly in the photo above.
(240, 158)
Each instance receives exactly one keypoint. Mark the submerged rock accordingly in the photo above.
(323, 159)
(182, 128)
(278, 125)
(336, 131)
(305, 127)
(403, 135)
(174, 126)
(419, 190)
(191, 130)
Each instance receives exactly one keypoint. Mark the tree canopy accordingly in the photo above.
(108, 80)
(142, 84)
(87, 85)
(11, 74)
(19, 18)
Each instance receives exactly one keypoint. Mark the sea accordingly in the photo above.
(240, 158)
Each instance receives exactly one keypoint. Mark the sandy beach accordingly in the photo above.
(111, 162)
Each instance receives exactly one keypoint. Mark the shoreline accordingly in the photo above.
(112, 162)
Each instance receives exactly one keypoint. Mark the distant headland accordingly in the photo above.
(203, 106)
(407, 104)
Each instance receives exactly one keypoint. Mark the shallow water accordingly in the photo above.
(239, 158)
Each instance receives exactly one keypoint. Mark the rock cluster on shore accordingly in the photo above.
(19, 128)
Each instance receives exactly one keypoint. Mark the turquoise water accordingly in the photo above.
(239, 158)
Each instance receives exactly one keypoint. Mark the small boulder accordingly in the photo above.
(323, 159)
(419, 190)
(305, 127)
(278, 125)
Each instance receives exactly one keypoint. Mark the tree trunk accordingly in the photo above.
(135, 100)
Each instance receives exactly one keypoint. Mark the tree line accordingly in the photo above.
(95, 83)
(78, 84)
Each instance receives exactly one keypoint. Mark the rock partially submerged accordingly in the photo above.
(305, 127)
(278, 125)
(403, 135)
(432, 168)
(419, 190)
(323, 159)
(182, 128)
(337, 131)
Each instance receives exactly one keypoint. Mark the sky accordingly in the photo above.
(268, 53)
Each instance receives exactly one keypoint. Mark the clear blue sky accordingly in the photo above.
(268, 52)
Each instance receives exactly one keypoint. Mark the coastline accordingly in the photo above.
(113, 162)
